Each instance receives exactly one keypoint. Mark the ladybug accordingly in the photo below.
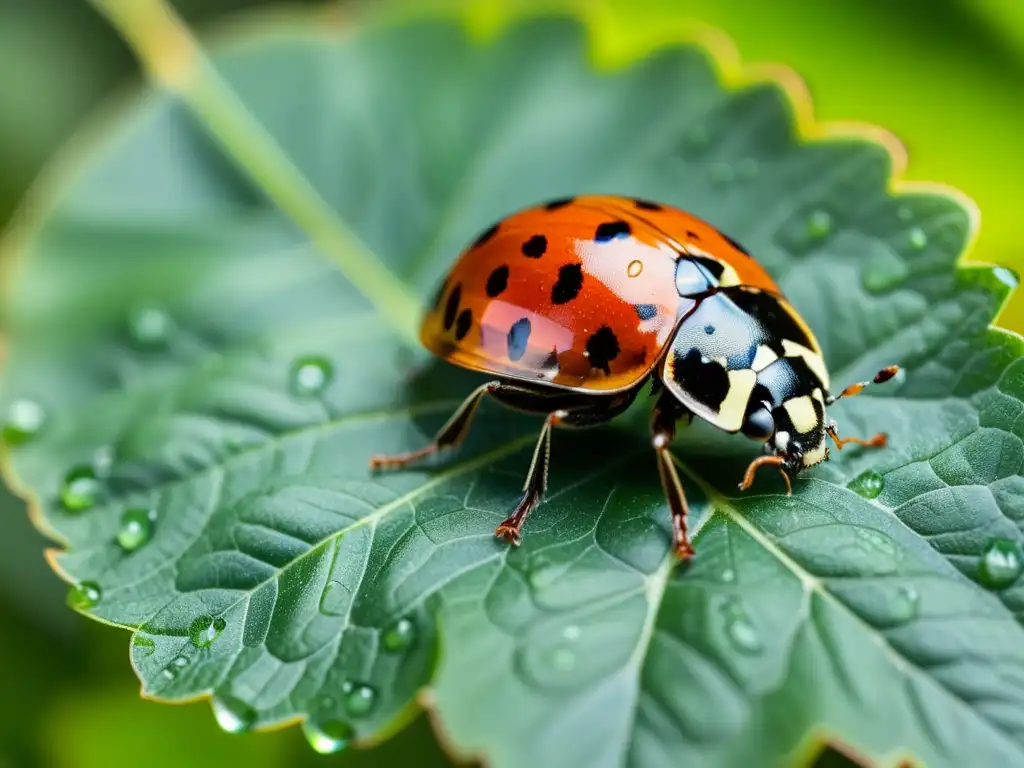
(575, 304)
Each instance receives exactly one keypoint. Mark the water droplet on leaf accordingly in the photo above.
(81, 489)
(1000, 564)
(819, 225)
(135, 530)
(739, 628)
(399, 636)
(233, 715)
(24, 420)
(84, 595)
(359, 699)
(722, 174)
(728, 575)
(335, 599)
(868, 484)
(327, 736)
(904, 213)
(905, 605)
(883, 272)
(149, 325)
(697, 137)
(1006, 276)
(572, 632)
(205, 630)
(747, 169)
(311, 375)
(563, 659)
(178, 663)
(917, 238)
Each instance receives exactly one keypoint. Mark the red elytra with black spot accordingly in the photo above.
(581, 294)
(574, 304)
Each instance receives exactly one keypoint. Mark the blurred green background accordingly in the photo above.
(946, 76)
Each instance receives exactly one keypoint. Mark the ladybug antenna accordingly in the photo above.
(855, 389)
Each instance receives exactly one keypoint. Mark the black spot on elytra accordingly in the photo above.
(452, 307)
(463, 324)
(709, 329)
(692, 235)
(497, 282)
(535, 247)
(602, 348)
(486, 235)
(705, 381)
(554, 205)
(570, 281)
(646, 205)
(645, 311)
(610, 230)
(518, 338)
(734, 244)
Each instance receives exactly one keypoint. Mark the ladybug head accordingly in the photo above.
(796, 431)
(793, 433)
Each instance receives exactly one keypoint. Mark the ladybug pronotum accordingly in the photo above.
(573, 305)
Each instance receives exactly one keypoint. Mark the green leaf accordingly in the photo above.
(214, 383)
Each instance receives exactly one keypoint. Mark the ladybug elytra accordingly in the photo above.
(575, 304)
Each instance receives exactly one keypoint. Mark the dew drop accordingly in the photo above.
(327, 736)
(740, 630)
(335, 599)
(697, 137)
(399, 636)
(1006, 276)
(135, 530)
(84, 595)
(563, 659)
(232, 715)
(311, 375)
(178, 663)
(728, 575)
(205, 630)
(868, 484)
(747, 169)
(145, 645)
(24, 420)
(884, 272)
(905, 605)
(571, 632)
(1000, 564)
(722, 174)
(81, 489)
(149, 325)
(917, 239)
(359, 699)
(819, 225)
(903, 213)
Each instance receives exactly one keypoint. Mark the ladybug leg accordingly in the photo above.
(663, 429)
(775, 461)
(878, 441)
(451, 434)
(536, 482)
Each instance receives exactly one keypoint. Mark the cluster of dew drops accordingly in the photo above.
(82, 489)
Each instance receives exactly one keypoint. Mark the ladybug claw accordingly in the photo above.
(509, 533)
(684, 551)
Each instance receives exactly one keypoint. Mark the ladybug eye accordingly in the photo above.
(759, 425)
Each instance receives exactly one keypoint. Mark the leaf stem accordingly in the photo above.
(172, 57)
